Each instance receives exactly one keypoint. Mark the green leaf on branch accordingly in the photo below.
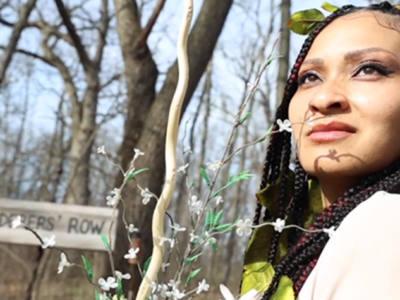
(210, 217)
(105, 241)
(305, 21)
(88, 268)
(271, 59)
(267, 134)
(223, 227)
(133, 174)
(214, 245)
(97, 295)
(194, 257)
(193, 275)
(192, 184)
(329, 7)
(247, 116)
(120, 290)
(234, 179)
(146, 265)
(205, 176)
(218, 218)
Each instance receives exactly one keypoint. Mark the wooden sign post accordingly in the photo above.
(74, 226)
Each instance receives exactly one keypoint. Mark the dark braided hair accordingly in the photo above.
(305, 248)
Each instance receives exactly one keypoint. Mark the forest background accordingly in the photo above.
(79, 74)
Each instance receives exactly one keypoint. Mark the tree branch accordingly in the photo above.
(150, 24)
(47, 28)
(64, 72)
(6, 23)
(31, 54)
(80, 49)
(102, 34)
(15, 35)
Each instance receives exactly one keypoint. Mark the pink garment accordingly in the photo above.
(362, 259)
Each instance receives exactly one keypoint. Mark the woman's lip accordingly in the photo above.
(329, 136)
(332, 126)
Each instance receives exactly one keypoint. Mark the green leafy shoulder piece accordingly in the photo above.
(258, 273)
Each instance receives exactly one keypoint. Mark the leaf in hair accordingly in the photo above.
(304, 22)
(329, 7)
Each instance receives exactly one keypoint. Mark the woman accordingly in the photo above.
(343, 99)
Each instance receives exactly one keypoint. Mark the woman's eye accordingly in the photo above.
(308, 78)
(373, 69)
(368, 70)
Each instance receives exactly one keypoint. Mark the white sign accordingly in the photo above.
(75, 226)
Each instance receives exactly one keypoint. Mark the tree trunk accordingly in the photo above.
(201, 44)
(284, 47)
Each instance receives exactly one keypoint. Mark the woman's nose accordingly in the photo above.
(329, 99)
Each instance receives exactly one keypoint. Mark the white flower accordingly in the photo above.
(153, 286)
(146, 196)
(195, 205)
(63, 263)
(176, 227)
(250, 295)
(243, 227)
(175, 294)
(173, 284)
(111, 283)
(114, 197)
(101, 150)
(49, 242)
(193, 237)
(132, 253)
(171, 241)
(119, 275)
(137, 154)
(285, 125)
(164, 266)
(182, 169)
(131, 228)
(329, 231)
(162, 290)
(214, 166)
(203, 286)
(187, 149)
(16, 222)
(219, 200)
(103, 296)
(209, 239)
(279, 225)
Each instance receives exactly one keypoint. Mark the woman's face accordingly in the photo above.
(352, 74)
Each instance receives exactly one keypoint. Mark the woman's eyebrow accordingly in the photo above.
(352, 55)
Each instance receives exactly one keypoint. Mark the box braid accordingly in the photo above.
(305, 248)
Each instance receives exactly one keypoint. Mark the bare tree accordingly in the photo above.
(148, 135)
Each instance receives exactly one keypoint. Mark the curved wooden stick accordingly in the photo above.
(170, 154)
